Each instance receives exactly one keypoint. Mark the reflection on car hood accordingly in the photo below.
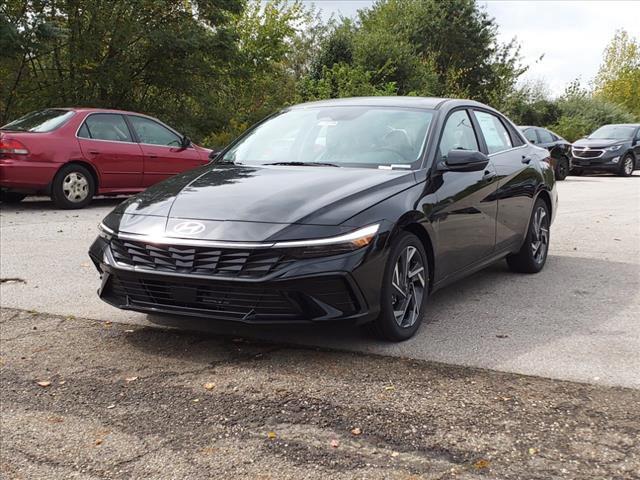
(283, 195)
(596, 143)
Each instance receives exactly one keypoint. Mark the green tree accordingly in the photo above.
(618, 79)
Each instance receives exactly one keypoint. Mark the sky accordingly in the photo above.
(569, 35)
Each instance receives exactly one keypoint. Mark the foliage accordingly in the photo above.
(618, 79)
(212, 68)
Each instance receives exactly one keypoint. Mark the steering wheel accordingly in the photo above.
(400, 153)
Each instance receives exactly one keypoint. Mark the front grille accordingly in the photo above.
(299, 300)
(223, 300)
(199, 260)
(582, 153)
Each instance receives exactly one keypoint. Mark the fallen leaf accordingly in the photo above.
(129, 331)
(533, 451)
(44, 383)
(394, 454)
(271, 435)
(389, 387)
(62, 382)
(130, 379)
(195, 400)
(482, 463)
(111, 406)
(356, 431)
(209, 385)
(334, 443)
(98, 441)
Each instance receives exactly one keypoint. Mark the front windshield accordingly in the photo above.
(41, 121)
(346, 136)
(613, 132)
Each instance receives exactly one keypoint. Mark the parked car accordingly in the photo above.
(611, 148)
(73, 154)
(350, 210)
(558, 147)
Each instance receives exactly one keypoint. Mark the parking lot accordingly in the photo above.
(577, 320)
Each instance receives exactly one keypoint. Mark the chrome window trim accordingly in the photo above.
(519, 147)
(98, 139)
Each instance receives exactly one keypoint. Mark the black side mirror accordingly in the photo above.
(464, 161)
(185, 142)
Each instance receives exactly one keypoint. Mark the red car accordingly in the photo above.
(73, 154)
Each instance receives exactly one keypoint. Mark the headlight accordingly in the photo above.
(614, 148)
(105, 232)
(332, 245)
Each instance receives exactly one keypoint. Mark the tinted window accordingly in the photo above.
(545, 137)
(530, 134)
(153, 133)
(349, 136)
(42, 121)
(495, 134)
(638, 135)
(458, 134)
(105, 126)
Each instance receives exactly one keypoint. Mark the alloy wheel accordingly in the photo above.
(540, 237)
(75, 187)
(408, 287)
(628, 166)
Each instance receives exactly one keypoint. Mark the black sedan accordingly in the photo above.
(352, 210)
(558, 147)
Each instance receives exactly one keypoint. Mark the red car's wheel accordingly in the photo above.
(73, 187)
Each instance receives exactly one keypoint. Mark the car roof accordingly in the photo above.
(432, 103)
(634, 125)
(96, 110)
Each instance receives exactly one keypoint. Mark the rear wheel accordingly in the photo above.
(73, 187)
(533, 253)
(626, 166)
(405, 287)
(562, 168)
(11, 197)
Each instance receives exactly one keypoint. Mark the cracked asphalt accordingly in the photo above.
(86, 399)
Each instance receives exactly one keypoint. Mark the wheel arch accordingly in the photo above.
(92, 170)
(415, 224)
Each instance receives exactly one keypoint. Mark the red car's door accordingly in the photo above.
(163, 155)
(107, 142)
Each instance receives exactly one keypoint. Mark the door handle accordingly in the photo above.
(153, 156)
(526, 159)
(94, 152)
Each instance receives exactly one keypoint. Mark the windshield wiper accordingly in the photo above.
(304, 164)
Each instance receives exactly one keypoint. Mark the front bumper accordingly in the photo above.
(609, 162)
(343, 287)
(26, 176)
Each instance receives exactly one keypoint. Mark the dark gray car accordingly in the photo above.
(559, 148)
(611, 148)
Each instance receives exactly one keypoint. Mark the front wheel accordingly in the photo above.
(533, 253)
(562, 168)
(626, 166)
(11, 197)
(405, 287)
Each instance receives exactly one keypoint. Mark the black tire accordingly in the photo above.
(386, 326)
(576, 173)
(11, 197)
(627, 165)
(530, 259)
(562, 168)
(73, 187)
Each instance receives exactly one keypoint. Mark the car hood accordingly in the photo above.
(226, 198)
(596, 143)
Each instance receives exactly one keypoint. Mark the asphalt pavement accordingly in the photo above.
(579, 319)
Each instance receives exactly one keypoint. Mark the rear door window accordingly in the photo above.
(495, 133)
(105, 126)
